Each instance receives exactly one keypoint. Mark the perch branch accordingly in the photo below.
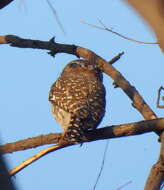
(99, 134)
(108, 132)
(28, 143)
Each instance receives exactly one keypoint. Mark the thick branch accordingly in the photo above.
(114, 131)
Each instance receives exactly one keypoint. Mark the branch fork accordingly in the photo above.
(156, 176)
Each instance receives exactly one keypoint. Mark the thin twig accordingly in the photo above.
(56, 16)
(102, 165)
(34, 158)
(159, 97)
(104, 27)
(124, 185)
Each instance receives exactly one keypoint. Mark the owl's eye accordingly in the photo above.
(75, 65)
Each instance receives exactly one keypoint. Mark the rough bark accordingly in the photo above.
(108, 132)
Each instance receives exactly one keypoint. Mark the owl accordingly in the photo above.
(78, 99)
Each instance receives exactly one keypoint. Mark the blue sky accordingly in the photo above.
(26, 76)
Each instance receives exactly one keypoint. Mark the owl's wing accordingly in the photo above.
(69, 96)
(76, 94)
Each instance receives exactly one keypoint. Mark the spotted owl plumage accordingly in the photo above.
(78, 99)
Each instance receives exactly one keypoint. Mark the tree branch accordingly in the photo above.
(32, 142)
(35, 158)
(119, 80)
(108, 132)
(99, 134)
(137, 100)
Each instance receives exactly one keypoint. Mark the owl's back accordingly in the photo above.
(78, 96)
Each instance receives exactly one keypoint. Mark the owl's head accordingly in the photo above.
(83, 65)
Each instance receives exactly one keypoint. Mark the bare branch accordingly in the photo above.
(104, 27)
(34, 158)
(108, 132)
(137, 100)
(99, 134)
(33, 142)
(131, 92)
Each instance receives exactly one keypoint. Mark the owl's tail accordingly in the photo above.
(75, 132)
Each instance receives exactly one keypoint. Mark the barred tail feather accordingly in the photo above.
(75, 131)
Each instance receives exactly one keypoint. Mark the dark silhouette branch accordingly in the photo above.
(108, 132)
(4, 3)
(5, 180)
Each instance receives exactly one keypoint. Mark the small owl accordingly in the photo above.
(78, 99)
